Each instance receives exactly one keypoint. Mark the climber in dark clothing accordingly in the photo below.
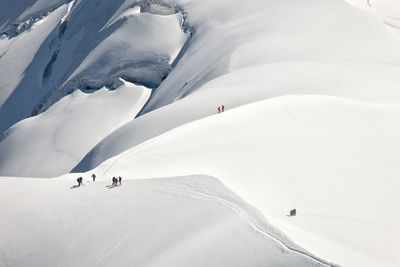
(293, 212)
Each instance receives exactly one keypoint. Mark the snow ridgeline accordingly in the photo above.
(237, 65)
(322, 154)
(181, 221)
(137, 41)
(139, 44)
(333, 159)
(19, 17)
(68, 129)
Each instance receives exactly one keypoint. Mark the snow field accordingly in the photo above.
(138, 47)
(67, 130)
(353, 81)
(335, 160)
(268, 59)
(312, 122)
(160, 222)
(229, 36)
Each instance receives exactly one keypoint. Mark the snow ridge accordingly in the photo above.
(141, 48)
(259, 226)
(148, 71)
(133, 88)
(39, 11)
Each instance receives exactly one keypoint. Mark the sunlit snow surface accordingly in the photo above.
(335, 160)
(68, 130)
(131, 88)
(185, 221)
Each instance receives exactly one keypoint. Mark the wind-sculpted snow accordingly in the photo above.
(311, 96)
(358, 81)
(231, 36)
(20, 64)
(335, 160)
(128, 40)
(183, 221)
(133, 51)
(140, 48)
(67, 130)
(267, 60)
(20, 15)
(330, 49)
(120, 39)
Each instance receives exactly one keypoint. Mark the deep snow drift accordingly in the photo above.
(131, 88)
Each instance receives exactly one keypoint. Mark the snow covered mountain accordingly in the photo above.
(131, 88)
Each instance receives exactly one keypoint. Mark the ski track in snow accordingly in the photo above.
(244, 215)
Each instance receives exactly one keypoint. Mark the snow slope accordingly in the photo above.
(186, 221)
(19, 12)
(58, 51)
(145, 57)
(17, 54)
(335, 160)
(387, 10)
(252, 54)
(115, 42)
(387, 7)
(67, 130)
(332, 48)
(310, 89)
(231, 36)
(359, 81)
